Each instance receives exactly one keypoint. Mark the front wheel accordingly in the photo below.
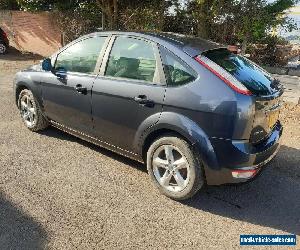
(31, 112)
(175, 168)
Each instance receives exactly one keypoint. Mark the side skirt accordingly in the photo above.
(97, 142)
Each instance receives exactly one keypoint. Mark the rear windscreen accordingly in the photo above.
(255, 79)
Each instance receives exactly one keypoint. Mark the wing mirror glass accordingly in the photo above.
(46, 64)
(61, 74)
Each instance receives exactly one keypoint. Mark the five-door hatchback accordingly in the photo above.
(190, 109)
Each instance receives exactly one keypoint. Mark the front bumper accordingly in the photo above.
(240, 155)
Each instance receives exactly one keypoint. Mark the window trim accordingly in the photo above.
(99, 59)
(197, 76)
(159, 67)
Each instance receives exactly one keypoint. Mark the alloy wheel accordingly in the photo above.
(2, 48)
(28, 111)
(170, 168)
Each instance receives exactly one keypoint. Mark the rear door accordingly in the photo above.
(128, 91)
(67, 90)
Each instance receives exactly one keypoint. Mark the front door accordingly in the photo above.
(128, 93)
(67, 91)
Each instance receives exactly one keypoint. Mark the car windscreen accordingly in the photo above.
(258, 81)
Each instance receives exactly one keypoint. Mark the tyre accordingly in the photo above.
(3, 48)
(175, 168)
(31, 112)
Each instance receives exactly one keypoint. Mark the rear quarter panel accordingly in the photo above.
(218, 110)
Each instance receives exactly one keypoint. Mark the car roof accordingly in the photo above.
(191, 45)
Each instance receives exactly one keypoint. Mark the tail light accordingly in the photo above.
(4, 34)
(226, 77)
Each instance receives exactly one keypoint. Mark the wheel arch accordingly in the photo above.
(19, 88)
(185, 128)
(154, 135)
(21, 84)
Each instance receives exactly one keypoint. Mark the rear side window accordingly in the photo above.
(81, 57)
(258, 81)
(176, 71)
(132, 58)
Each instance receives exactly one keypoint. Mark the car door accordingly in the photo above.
(129, 89)
(66, 91)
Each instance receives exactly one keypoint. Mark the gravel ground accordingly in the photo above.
(58, 192)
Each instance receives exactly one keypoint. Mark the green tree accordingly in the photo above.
(259, 17)
(225, 21)
(134, 14)
(231, 21)
(34, 5)
(114, 14)
(9, 5)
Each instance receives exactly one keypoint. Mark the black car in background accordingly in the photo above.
(4, 43)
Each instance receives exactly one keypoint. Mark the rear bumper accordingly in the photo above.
(240, 155)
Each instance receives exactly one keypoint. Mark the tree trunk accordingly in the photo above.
(103, 16)
(109, 13)
(103, 21)
(115, 14)
(244, 46)
(245, 43)
(204, 19)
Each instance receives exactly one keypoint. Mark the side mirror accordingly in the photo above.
(61, 74)
(46, 64)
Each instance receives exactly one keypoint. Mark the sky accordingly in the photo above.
(295, 17)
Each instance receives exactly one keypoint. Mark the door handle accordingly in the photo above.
(80, 89)
(143, 100)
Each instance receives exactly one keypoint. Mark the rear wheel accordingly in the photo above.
(175, 168)
(3, 48)
(31, 112)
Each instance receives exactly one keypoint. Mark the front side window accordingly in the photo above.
(176, 71)
(80, 57)
(132, 58)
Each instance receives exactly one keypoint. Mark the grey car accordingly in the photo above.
(191, 110)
